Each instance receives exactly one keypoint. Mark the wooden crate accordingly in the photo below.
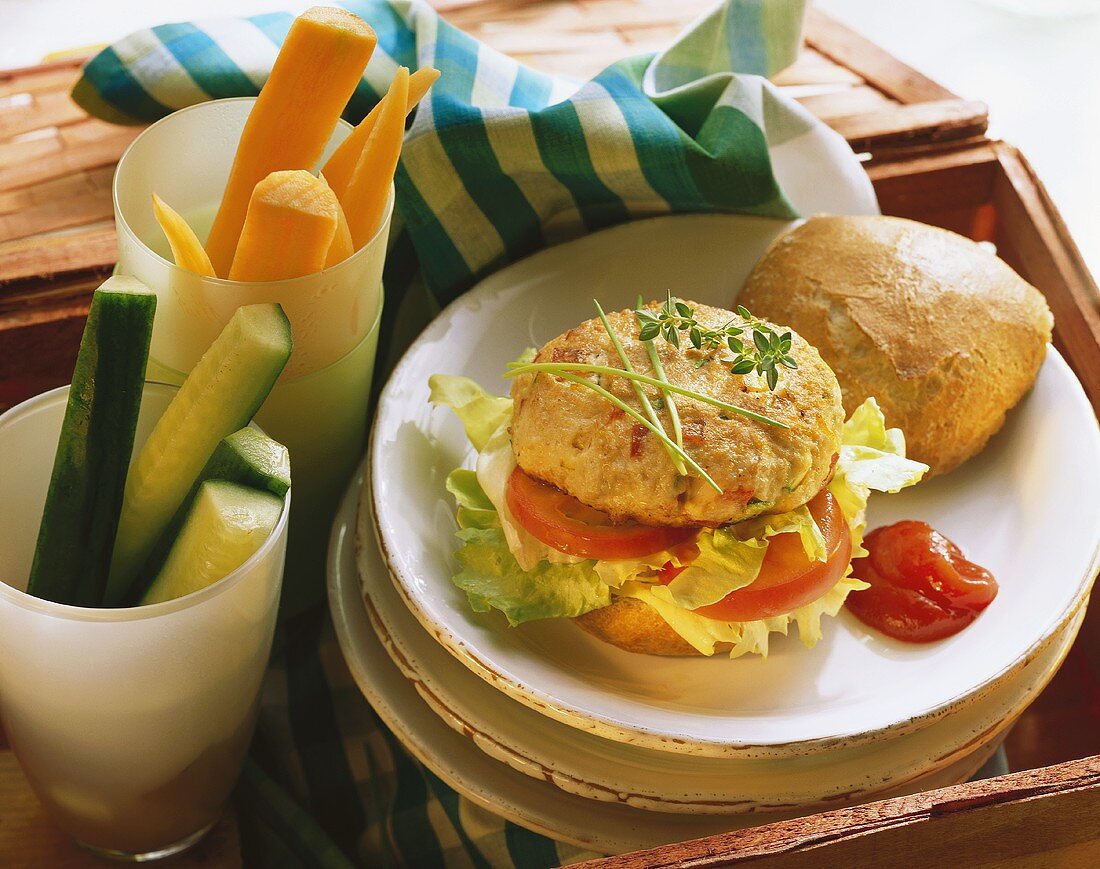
(1046, 815)
(928, 157)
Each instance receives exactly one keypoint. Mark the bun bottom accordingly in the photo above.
(635, 626)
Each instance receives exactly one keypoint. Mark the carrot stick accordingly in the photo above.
(290, 224)
(186, 248)
(341, 164)
(367, 193)
(315, 73)
(342, 246)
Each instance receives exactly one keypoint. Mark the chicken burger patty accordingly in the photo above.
(570, 437)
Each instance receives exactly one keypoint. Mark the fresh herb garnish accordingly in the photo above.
(561, 368)
(768, 348)
(676, 320)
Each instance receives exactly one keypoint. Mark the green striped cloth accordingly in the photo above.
(499, 161)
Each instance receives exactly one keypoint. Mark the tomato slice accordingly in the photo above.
(788, 579)
(567, 525)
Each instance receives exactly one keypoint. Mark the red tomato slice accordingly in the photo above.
(565, 524)
(788, 579)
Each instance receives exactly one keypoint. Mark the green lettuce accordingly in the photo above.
(475, 510)
(481, 413)
(744, 638)
(871, 457)
(724, 564)
(493, 579)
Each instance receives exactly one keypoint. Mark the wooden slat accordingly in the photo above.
(104, 149)
(21, 112)
(927, 122)
(88, 249)
(1044, 817)
(70, 201)
(1043, 250)
(873, 64)
(56, 76)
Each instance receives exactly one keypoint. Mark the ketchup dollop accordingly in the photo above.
(922, 587)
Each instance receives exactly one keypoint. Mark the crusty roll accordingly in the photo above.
(635, 626)
(944, 334)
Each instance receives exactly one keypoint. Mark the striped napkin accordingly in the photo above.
(499, 161)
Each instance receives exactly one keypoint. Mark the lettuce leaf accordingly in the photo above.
(492, 578)
(481, 413)
(744, 638)
(475, 510)
(871, 457)
(724, 564)
(797, 520)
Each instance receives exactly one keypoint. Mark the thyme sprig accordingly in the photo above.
(675, 321)
(643, 399)
(515, 369)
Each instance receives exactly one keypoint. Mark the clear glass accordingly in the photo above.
(318, 409)
(130, 724)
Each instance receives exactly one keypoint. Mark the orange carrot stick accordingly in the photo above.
(186, 248)
(318, 67)
(341, 164)
(342, 246)
(289, 227)
(368, 191)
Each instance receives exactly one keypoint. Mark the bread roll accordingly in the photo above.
(635, 626)
(944, 334)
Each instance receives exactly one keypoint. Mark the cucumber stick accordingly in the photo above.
(227, 523)
(220, 395)
(73, 553)
(248, 457)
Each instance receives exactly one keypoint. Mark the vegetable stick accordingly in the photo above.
(315, 73)
(366, 195)
(186, 248)
(342, 246)
(341, 164)
(290, 224)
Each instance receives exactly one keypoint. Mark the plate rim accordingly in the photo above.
(604, 725)
(421, 680)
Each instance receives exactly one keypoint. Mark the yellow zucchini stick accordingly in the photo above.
(289, 227)
(186, 248)
(341, 164)
(365, 199)
(318, 67)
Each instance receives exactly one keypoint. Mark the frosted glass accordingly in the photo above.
(130, 724)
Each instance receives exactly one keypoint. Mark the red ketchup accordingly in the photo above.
(922, 588)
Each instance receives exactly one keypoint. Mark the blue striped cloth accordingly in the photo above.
(499, 161)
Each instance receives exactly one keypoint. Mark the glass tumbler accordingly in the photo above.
(131, 724)
(318, 409)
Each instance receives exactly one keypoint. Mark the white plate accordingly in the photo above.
(536, 804)
(1027, 508)
(590, 766)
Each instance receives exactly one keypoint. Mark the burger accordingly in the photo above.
(678, 479)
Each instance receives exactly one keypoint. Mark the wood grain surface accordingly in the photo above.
(1043, 817)
(929, 159)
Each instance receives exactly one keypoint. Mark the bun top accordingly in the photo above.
(944, 334)
(572, 438)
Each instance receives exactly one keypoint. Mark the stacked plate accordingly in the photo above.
(614, 751)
